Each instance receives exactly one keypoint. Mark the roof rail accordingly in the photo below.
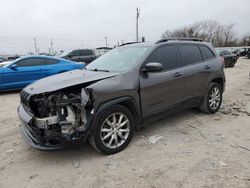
(179, 38)
(128, 43)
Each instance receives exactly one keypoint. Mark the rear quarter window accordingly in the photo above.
(206, 52)
(190, 54)
(51, 61)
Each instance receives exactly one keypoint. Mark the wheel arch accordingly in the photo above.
(219, 81)
(126, 101)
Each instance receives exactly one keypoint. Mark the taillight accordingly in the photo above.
(222, 60)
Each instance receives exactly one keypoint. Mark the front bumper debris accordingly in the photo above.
(35, 136)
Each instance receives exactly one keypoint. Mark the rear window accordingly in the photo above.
(51, 61)
(190, 54)
(206, 52)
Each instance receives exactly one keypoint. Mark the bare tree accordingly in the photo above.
(208, 30)
(245, 40)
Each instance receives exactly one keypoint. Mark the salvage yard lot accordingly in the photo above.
(192, 150)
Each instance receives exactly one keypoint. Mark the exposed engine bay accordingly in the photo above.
(61, 112)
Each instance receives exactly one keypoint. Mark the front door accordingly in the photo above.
(160, 91)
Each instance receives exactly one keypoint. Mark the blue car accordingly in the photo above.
(25, 70)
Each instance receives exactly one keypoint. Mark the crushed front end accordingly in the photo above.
(55, 120)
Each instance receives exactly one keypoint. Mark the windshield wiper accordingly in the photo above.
(101, 70)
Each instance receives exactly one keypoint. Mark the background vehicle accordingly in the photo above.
(248, 55)
(229, 57)
(2, 59)
(244, 51)
(13, 57)
(4, 63)
(237, 52)
(25, 70)
(80, 55)
(119, 92)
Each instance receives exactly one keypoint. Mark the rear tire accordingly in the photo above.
(232, 62)
(212, 99)
(113, 130)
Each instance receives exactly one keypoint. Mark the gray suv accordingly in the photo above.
(119, 92)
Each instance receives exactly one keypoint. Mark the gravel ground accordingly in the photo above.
(190, 149)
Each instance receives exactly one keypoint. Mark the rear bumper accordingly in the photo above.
(37, 138)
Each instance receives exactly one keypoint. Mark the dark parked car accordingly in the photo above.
(23, 71)
(244, 51)
(14, 57)
(119, 92)
(81, 55)
(236, 52)
(229, 57)
(248, 55)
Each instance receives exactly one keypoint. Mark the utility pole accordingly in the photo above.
(137, 19)
(51, 46)
(106, 41)
(36, 50)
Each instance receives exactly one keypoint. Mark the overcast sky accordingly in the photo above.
(82, 24)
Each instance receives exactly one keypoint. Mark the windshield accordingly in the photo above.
(5, 64)
(118, 59)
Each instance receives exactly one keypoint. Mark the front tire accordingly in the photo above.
(113, 130)
(212, 99)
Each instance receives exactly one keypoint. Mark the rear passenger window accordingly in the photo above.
(207, 53)
(190, 54)
(166, 55)
(51, 61)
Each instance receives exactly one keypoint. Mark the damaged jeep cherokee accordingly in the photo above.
(120, 91)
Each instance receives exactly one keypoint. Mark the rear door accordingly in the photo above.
(196, 70)
(159, 91)
(25, 72)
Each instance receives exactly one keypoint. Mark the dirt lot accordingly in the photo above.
(193, 150)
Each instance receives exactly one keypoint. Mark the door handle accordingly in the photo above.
(207, 67)
(178, 74)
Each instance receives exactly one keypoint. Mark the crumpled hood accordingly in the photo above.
(67, 79)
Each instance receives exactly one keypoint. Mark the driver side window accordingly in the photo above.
(166, 55)
(31, 62)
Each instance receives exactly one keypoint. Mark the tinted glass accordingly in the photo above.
(166, 55)
(207, 53)
(31, 62)
(222, 53)
(190, 54)
(86, 52)
(51, 61)
(76, 53)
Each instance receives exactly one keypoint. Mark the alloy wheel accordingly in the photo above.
(214, 98)
(115, 130)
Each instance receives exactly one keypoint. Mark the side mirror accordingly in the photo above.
(13, 66)
(152, 67)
